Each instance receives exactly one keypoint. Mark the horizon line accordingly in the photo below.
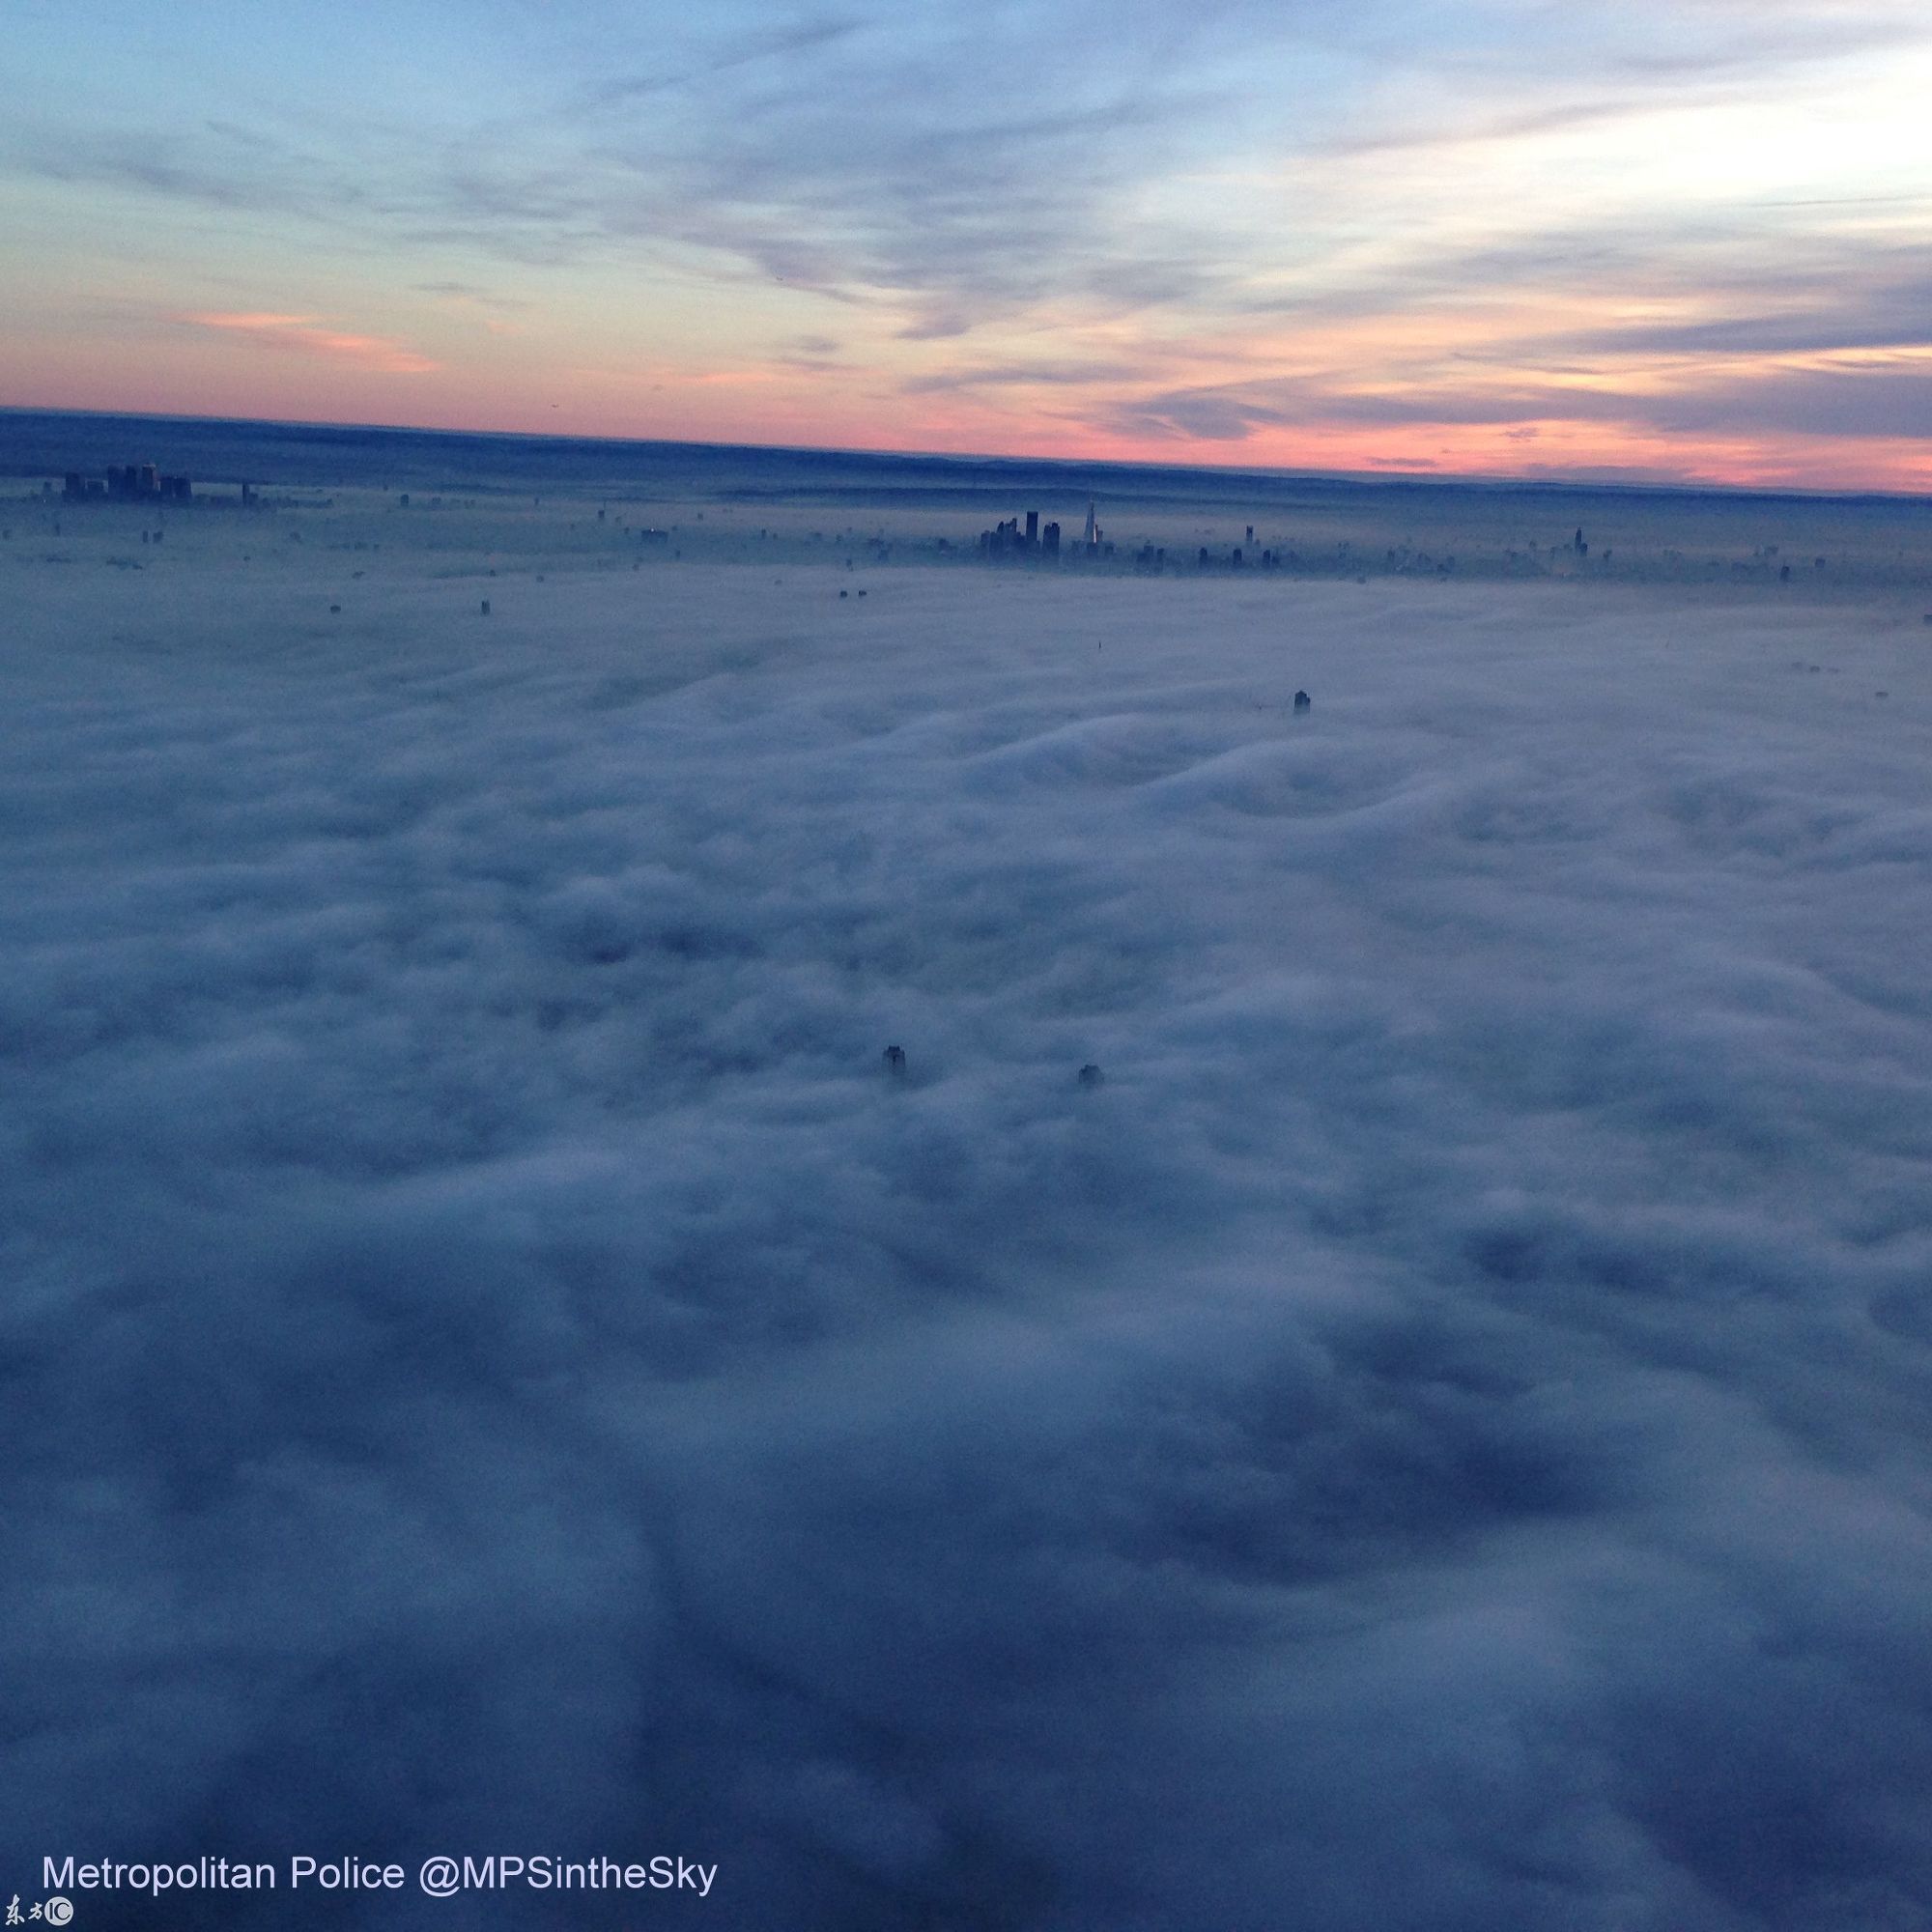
(1394, 478)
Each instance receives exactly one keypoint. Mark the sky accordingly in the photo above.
(1663, 239)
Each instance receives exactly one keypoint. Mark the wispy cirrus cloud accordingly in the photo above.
(1883, 398)
(304, 335)
(1112, 221)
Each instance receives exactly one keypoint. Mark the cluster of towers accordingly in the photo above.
(127, 483)
(1009, 539)
(1014, 539)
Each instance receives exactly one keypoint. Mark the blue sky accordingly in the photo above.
(1486, 235)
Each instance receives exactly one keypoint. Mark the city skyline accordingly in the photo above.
(1649, 245)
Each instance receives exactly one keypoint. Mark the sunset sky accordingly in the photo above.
(1656, 238)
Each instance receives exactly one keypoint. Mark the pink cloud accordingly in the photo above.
(300, 335)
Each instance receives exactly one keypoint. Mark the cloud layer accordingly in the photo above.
(493, 1360)
(300, 335)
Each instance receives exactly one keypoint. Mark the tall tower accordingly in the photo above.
(1093, 534)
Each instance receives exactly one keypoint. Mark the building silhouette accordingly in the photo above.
(126, 483)
(1014, 539)
(1010, 538)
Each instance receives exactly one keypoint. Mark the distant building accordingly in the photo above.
(126, 483)
(1008, 538)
